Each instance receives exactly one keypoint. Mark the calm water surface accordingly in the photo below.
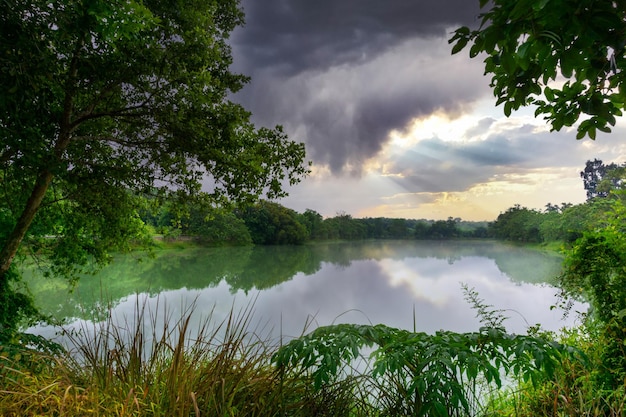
(405, 284)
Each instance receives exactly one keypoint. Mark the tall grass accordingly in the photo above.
(573, 389)
(153, 366)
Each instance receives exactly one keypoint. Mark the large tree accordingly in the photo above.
(567, 57)
(102, 100)
(600, 180)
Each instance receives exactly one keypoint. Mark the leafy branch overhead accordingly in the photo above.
(566, 57)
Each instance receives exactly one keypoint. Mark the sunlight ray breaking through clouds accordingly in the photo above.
(385, 111)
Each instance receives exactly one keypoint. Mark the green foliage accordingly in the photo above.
(423, 374)
(444, 229)
(517, 224)
(205, 224)
(595, 269)
(572, 390)
(272, 224)
(344, 226)
(223, 228)
(313, 221)
(421, 230)
(565, 224)
(121, 369)
(15, 303)
(93, 74)
(577, 219)
(600, 179)
(489, 317)
(16, 306)
(106, 101)
(529, 44)
(28, 352)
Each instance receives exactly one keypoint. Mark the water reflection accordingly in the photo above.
(399, 283)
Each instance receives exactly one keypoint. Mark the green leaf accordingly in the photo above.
(461, 43)
(567, 66)
(475, 50)
(539, 5)
(534, 89)
(440, 409)
(592, 133)
(520, 9)
(508, 106)
(491, 38)
(522, 51)
(553, 36)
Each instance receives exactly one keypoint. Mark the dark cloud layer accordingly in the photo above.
(342, 74)
(299, 35)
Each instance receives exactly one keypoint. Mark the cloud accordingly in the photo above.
(349, 77)
(294, 36)
(342, 75)
(480, 128)
(346, 113)
(434, 165)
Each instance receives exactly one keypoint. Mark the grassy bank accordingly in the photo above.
(122, 369)
(136, 368)
(575, 389)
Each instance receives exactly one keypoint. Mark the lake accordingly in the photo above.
(405, 284)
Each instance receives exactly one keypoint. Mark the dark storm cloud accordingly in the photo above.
(495, 151)
(340, 75)
(298, 35)
(350, 133)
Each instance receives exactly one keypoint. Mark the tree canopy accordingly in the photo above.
(105, 100)
(600, 179)
(566, 57)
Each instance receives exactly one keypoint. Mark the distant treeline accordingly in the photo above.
(604, 185)
(269, 223)
(564, 223)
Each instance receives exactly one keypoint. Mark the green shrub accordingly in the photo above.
(422, 374)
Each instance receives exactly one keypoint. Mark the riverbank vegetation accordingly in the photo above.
(118, 369)
(147, 366)
(335, 369)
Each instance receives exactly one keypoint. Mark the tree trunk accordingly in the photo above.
(9, 250)
(23, 224)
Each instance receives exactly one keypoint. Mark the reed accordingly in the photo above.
(152, 365)
(155, 364)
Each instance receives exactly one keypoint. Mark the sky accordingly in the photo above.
(393, 123)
